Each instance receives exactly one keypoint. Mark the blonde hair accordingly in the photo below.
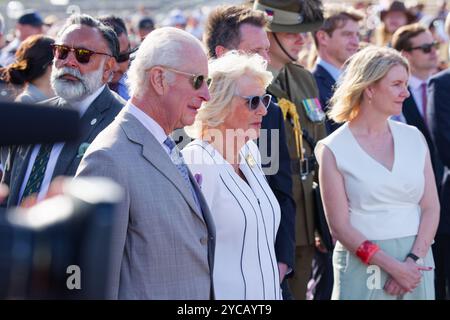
(363, 69)
(224, 73)
(447, 24)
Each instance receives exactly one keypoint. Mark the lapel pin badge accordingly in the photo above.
(82, 149)
(250, 160)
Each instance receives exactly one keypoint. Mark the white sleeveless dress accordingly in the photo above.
(383, 205)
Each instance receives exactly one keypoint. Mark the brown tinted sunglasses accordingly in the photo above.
(82, 55)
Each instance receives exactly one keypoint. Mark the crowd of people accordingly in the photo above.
(283, 152)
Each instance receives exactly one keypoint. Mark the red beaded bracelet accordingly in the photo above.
(366, 251)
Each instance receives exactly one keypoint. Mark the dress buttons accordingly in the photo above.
(204, 241)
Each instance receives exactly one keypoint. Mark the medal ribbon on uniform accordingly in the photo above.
(313, 109)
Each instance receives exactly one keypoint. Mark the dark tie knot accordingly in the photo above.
(170, 143)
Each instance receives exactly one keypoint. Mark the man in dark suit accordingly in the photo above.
(417, 45)
(336, 41)
(297, 95)
(241, 28)
(438, 114)
(85, 53)
(439, 124)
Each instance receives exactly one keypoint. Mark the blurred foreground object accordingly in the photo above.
(59, 249)
(30, 124)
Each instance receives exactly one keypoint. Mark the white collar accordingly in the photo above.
(84, 104)
(148, 122)
(331, 69)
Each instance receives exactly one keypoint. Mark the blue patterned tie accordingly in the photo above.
(38, 171)
(178, 161)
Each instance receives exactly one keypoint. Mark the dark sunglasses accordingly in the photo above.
(125, 56)
(254, 101)
(82, 55)
(426, 48)
(197, 80)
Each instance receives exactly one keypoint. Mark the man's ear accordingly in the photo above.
(322, 37)
(406, 54)
(157, 80)
(110, 66)
(220, 51)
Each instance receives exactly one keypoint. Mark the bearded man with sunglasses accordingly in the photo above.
(164, 238)
(84, 52)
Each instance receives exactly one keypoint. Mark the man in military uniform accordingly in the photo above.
(297, 95)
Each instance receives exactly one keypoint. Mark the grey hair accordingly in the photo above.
(224, 73)
(107, 32)
(162, 47)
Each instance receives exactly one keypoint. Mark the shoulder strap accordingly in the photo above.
(311, 142)
(277, 91)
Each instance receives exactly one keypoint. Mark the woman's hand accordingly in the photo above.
(393, 288)
(407, 276)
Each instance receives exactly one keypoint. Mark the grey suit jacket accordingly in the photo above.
(162, 246)
(103, 109)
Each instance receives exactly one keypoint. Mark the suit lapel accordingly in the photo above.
(18, 170)
(325, 75)
(153, 152)
(414, 118)
(412, 113)
(91, 119)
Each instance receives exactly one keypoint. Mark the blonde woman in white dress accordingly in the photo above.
(378, 186)
(227, 164)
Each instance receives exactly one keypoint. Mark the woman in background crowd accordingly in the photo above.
(30, 73)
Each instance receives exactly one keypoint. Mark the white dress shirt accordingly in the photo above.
(384, 203)
(81, 106)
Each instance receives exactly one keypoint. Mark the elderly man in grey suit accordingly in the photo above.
(85, 52)
(164, 238)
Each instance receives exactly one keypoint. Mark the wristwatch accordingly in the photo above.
(416, 259)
